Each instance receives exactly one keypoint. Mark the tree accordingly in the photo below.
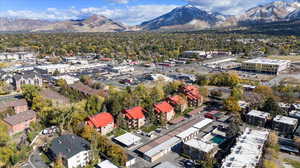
(272, 139)
(237, 93)
(58, 162)
(269, 164)
(30, 92)
(94, 104)
(202, 80)
(272, 107)
(231, 104)
(265, 91)
(4, 136)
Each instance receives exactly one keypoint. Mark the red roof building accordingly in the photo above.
(103, 122)
(165, 110)
(135, 117)
(193, 95)
(178, 102)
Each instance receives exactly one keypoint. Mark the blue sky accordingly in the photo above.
(127, 11)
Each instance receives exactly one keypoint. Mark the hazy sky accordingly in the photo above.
(127, 11)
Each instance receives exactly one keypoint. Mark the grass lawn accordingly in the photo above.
(149, 128)
(119, 131)
(293, 163)
(291, 58)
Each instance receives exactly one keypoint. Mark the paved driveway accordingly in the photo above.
(36, 161)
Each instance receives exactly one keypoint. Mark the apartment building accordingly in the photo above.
(103, 122)
(285, 125)
(258, 118)
(27, 78)
(164, 111)
(135, 117)
(75, 151)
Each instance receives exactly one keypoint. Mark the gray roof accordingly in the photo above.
(69, 145)
(27, 75)
(166, 165)
(20, 117)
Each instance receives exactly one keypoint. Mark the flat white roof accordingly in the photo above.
(201, 145)
(203, 123)
(163, 146)
(294, 113)
(51, 66)
(248, 149)
(166, 165)
(259, 114)
(187, 133)
(243, 104)
(296, 106)
(285, 120)
(267, 61)
(106, 164)
(128, 139)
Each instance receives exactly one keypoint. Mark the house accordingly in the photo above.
(20, 121)
(27, 78)
(285, 125)
(103, 122)
(164, 111)
(178, 102)
(135, 117)
(193, 95)
(56, 98)
(75, 151)
(199, 150)
(258, 118)
(84, 89)
(18, 105)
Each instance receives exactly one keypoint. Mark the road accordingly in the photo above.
(279, 78)
(36, 161)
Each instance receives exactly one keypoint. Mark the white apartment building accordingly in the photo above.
(75, 151)
(266, 65)
(248, 151)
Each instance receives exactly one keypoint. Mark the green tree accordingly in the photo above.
(272, 107)
(30, 92)
(231, 104)
(94, 104)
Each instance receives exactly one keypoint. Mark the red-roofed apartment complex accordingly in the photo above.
(165, 111)
(135, 117)
(103, 122)
(178, 102)
(193, 95)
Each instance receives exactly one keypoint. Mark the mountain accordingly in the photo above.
(271, 12)
(186, 17)
(93, 23)
(13, 24)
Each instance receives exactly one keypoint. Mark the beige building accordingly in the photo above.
(265, 65)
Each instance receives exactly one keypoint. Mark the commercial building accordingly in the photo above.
(128, 140)
(106, 164)
(195, 54)
(51, 69)
(295, 114)
(164, 111)
(69, 79)
(121, 69)
(16, 56)
(248, 151)
(102, 122)
(199, 150)
(265, 65)
(258, 118)
(20, 121)
(172, 141)
(284, 125)
(75, 151)
(135, 117)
